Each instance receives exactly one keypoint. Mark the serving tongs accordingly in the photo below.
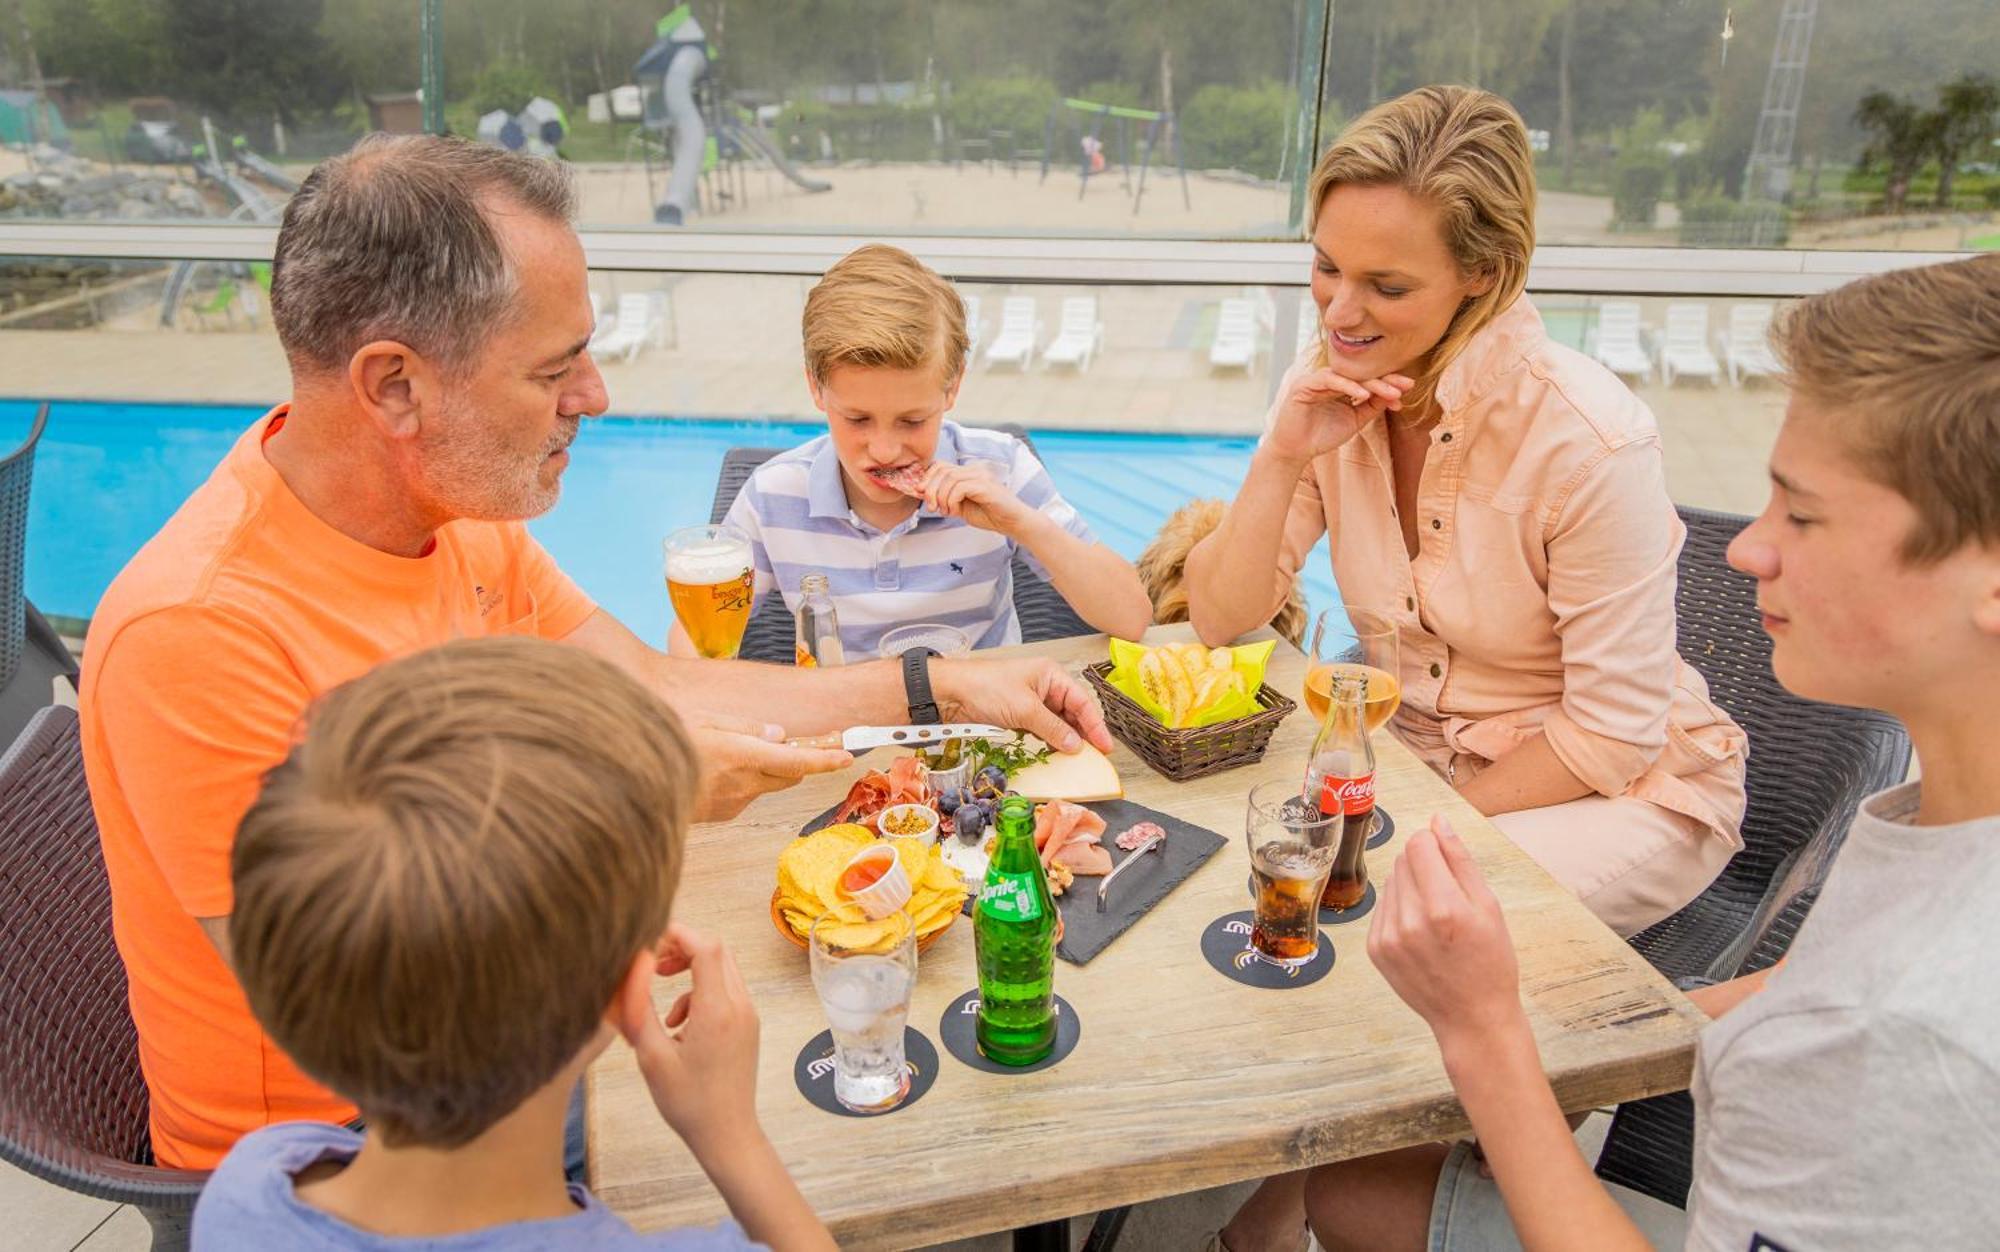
(1104, 888)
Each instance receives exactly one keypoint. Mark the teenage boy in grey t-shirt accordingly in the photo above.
(1849, 1105)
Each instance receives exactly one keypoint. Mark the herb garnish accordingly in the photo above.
(1011, 757)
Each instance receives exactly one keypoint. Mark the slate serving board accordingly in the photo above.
(1087, 932)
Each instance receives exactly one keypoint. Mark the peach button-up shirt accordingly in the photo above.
(1541, 598)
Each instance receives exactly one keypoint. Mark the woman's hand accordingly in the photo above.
(1321, 410)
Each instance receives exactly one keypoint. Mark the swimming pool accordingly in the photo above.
(107, 476)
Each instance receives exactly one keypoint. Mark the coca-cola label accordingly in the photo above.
(1349, 797)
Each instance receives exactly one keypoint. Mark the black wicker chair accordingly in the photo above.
(73, 1105)
(32, 655)
(1043, 612)
(1810, 766)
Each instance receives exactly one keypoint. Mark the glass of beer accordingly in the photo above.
(711, 584)
(1357, 641)
(1292, 845)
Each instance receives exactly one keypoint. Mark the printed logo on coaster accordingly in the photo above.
(1385, 829)
(956, 1030)
(1226, 946)
(813, 1072)
(1336, 917)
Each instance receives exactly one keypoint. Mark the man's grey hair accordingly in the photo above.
(392, 240)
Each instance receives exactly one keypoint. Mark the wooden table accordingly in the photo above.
(1182, 1079)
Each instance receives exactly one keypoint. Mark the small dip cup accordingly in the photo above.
(909, 821)
(886, 894)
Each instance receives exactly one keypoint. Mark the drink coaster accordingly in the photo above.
(1332, 917)
(956, 1031)
(1226, 945)
(1336, 917)
(1385, 830)
(813, 1072)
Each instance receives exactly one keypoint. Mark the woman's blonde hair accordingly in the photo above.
(1464, 152)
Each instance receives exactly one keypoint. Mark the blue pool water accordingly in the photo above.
(108, 475)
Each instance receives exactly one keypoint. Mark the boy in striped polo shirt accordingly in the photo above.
(914, 518)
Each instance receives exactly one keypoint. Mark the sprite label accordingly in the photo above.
(1010, 897)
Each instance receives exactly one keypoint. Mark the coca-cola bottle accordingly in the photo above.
(1340, 778)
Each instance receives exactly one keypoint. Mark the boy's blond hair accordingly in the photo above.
(1906, 366)
(440, 890)
(880, 308)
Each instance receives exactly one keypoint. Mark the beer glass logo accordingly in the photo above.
(735, 596)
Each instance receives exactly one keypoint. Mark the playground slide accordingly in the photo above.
(753, 136)
(685, 66)
(263, 169)
(250, 202)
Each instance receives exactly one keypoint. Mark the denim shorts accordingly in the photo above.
(1467, 1214)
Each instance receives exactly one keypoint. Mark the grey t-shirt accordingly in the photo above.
(1852, 1103)
(249, 1202)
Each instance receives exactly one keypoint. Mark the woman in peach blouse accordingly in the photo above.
(1502, 498)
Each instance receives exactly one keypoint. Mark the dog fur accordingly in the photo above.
(1163, 569)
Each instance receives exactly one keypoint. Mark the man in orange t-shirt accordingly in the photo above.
(433, 302)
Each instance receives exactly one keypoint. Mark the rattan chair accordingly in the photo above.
(73, 1105)
(1810, 766)
(1043, 612)
(32, 655)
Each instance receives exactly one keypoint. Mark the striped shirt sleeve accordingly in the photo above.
(1029, 480)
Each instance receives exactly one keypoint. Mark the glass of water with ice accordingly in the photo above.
(864, 976)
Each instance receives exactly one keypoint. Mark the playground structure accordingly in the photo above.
(710, 138)
(238, 283)
(1067, 116)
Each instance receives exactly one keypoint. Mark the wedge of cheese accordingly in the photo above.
(1082, 776)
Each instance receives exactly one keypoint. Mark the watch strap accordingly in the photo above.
(917, 687)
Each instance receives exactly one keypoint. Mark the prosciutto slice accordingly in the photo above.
(1069, 833)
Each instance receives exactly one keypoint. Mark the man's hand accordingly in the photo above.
(971, 492)
(1022, 693)
(1321, 410)
(741, 760)
(700, 1062)
(1440, 940)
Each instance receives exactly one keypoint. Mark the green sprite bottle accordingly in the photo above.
(1014, 937)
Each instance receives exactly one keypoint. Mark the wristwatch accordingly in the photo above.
(917, 687)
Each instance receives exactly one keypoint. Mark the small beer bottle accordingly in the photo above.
(1014, 942)
(817, 640)
(1340, 779)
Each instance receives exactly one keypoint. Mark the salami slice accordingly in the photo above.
(907, 479)
(1138, 834)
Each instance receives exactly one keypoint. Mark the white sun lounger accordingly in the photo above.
(1079, 334)
(1020, 327)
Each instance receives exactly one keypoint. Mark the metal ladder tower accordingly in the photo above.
(1768, 175)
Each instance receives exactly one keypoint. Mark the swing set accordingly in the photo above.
(1068, 118)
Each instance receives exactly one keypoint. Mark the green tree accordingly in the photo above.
(248, 59)
(1905, 137)
(1964, 121)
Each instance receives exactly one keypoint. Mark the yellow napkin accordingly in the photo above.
(1249, 662)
